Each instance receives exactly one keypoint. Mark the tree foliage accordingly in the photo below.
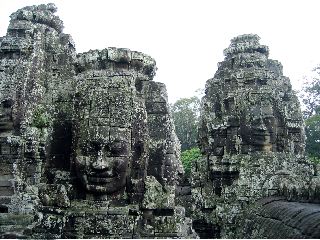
(40, 118)
(188, 156)
(313, 137)
(311, 101)
(185, 113)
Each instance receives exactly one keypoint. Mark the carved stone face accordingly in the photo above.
(6, 122)
(102, 159)
(258, 127)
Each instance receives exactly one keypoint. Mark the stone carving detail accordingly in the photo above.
(31, 57)
(88, 147)
(252, 138)
(277, 218)
(249, 105)
(103, 138)
(88, 143)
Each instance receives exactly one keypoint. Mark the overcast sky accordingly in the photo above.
(187, 38)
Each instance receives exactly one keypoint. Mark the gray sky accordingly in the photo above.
(186, 37)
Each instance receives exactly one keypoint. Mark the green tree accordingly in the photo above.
(185, 113)
(313, 137)
(311, 101)
(188, 156)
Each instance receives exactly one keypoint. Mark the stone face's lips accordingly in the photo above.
(102, 174)
(261, 133)
(97, 180)
(102, 177)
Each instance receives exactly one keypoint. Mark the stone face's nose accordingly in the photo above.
(259, 124)
(262, 126)
(102, 162)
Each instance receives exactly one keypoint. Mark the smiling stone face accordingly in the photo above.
(249, 106)
(258, 127)
(103, 135)
(102, 158)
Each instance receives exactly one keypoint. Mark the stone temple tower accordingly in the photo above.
(87, 144)
(251, 136)
(35, 58)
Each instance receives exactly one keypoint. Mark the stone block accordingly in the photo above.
(5, 149)
(157, 108)
(6, 191)
(5, 200)
(5, 180)
(122, 55)
(6, 169)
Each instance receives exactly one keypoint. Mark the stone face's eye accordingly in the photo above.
(94, 147)
(90, 147)
(270, 122)
(119, 148)
(7, 103)
(267, 121)
(256, 122)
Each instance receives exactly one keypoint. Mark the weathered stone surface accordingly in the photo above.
(252, 138)
(79, 142)
(88, 148)
(249, 105)
(276, 218)
(31, 73)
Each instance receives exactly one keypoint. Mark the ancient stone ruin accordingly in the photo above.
(88, 147)
(252, 138)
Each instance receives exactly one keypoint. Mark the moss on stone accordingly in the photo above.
(41, 119)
